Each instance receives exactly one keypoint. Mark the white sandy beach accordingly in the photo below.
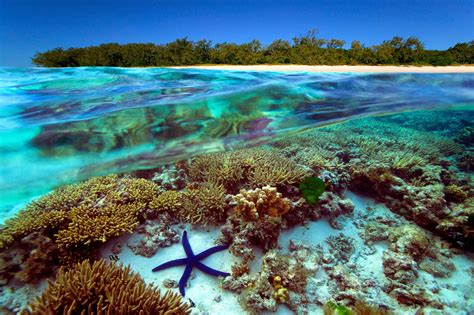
(391, 69)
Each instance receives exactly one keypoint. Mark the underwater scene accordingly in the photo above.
(185, 191)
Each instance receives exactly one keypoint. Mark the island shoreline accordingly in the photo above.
(345, 68)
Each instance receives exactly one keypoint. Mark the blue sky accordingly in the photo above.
(28, 26)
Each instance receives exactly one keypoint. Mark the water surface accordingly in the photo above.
(63, 125)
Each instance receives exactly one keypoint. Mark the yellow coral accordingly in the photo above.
(281, 293)
(254, 204)
(96, 209)
(204, 204)
(103, 288)
(455, 193)
(90, 224)
(170, 201)
(256, 166)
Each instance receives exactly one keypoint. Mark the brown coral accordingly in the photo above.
(74, 218)
(169, 201)
(255, 204)
(280, 276)
(93, 201)
(204, 204)
(455, 193)
(103, 288)
(254, 167)
(91, 224)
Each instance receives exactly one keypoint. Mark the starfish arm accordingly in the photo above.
(187, 246)
(171, 263)
(210, 251)
(184, 278)
(210, 271)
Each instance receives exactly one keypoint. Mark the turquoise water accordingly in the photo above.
(63, 125)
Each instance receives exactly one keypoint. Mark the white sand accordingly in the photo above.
(393, 69)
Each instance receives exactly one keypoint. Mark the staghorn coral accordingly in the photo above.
(254, 167)
(100, 195)
(102, 288)
(204, 204)
(255, 204)
(75, 218)
(276, 170)
(94, 224)
(170, 201)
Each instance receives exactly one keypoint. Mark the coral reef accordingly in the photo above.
(254, 204)
(408, 166)
(246, 168)
(88, 204)
(169, 177)
(156, 234)
(108, 288)
(282, 280)
(74, 219)
(255, 220)
(35, 259)
(341, 247)
(170, 201)
(204, 203)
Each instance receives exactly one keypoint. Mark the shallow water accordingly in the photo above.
(393, 228)
(63, 125)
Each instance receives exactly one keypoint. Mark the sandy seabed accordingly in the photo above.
(394, 69)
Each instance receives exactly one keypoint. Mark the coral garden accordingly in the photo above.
(377, 261)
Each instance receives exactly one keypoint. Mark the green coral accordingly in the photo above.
(311, 189)
(331, 308)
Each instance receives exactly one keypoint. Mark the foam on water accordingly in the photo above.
(63, 125)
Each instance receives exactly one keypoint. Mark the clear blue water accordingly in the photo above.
(63, 125)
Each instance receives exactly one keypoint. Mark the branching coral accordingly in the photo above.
(254, 204)
(103, 288)
(170, 201)
(77, 216)
(204, 204)
(254, 167)
(94, 199)
(98, 223)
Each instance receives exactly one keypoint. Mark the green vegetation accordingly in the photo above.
(331, 308)
(308, 49)
(311, 189)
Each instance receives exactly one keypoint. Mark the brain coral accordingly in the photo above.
(103, 288)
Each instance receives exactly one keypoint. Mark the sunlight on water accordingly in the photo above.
(62, 125)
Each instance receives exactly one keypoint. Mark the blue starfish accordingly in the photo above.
(192, 261)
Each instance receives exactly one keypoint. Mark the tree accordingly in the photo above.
(463, 53)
